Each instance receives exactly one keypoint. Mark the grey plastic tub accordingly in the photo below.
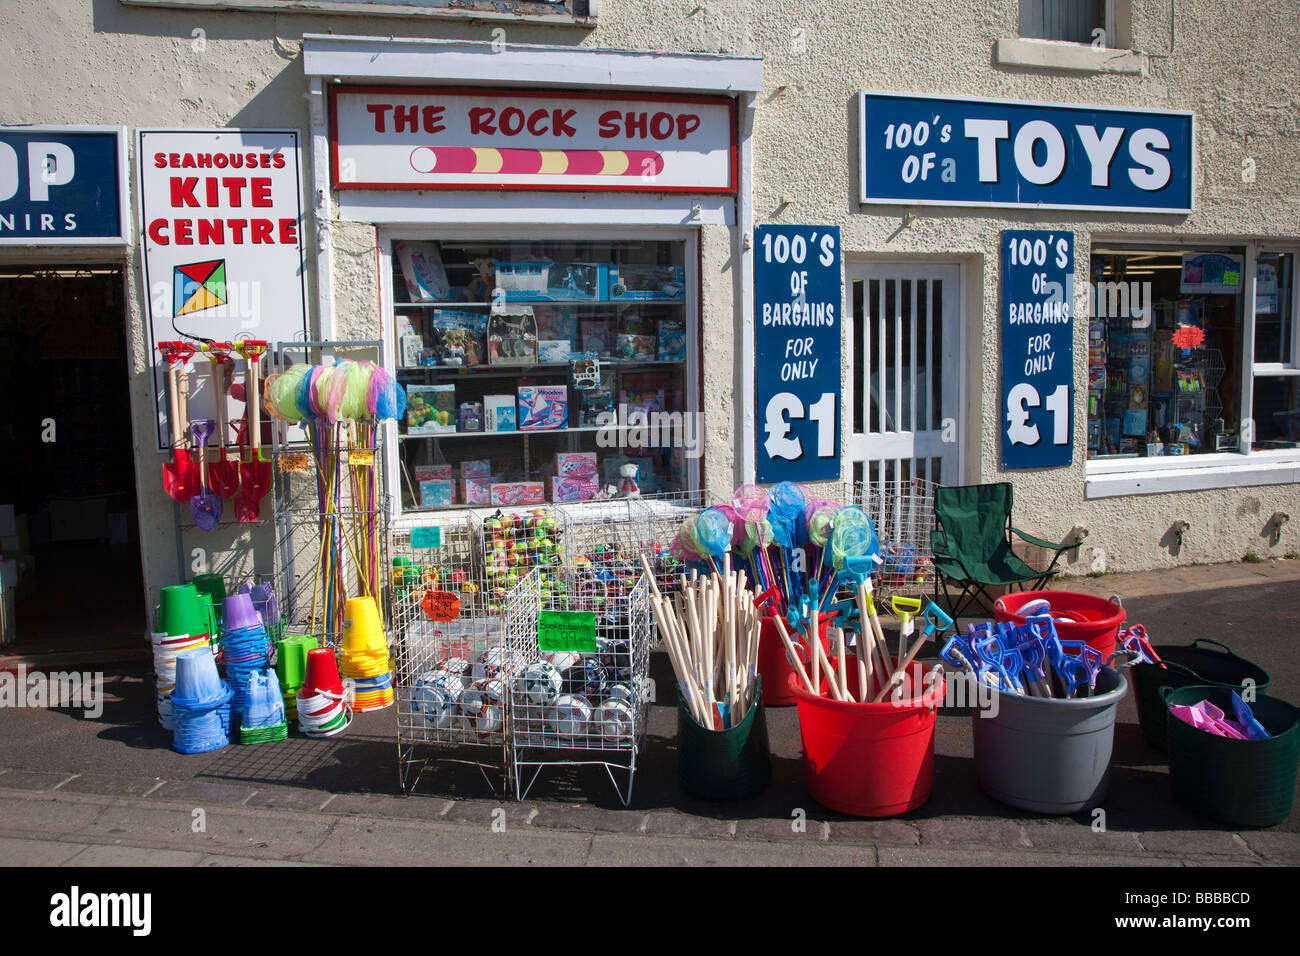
(1049, 755)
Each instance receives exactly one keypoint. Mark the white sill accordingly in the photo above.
(535, 12)
(1140, 476)
(1055, 55)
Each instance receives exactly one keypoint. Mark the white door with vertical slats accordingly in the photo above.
(904, 371)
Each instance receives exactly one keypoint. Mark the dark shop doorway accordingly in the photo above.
(73, 583)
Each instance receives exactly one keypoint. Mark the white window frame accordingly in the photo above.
(1105, 478)
(449, 231)
(1115, 56)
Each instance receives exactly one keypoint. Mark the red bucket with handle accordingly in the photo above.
(775, 668)
(870, 760)
(1079, 617)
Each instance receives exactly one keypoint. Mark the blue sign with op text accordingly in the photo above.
(62, 186)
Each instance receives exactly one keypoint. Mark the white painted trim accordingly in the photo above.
(415, 60)
(744, 245)
(321, 208)
(1060, 55)
(1246, 381)
(1268, 471)
(355, 9)
(536, 208)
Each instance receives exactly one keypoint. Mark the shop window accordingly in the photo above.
(1074, 21)
(1164, 352)
(543, 370)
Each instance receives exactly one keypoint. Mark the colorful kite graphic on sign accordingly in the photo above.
(198, 285)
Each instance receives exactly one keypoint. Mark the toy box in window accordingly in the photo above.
(555, 323)
(672, 340)
(553, 281)
(646, 283)
(421, 265)
(512, 336)
(639, 348)
(553, 351)
(430, 408)
(595, 336)
(459, 338)
(543, 407)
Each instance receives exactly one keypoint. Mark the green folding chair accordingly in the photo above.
(972, 550)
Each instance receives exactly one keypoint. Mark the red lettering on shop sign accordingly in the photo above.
(480, 120)
(261, 191)
(288, 231)
(377, 110)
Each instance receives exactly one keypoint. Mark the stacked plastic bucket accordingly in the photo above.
(291, 669)
(182, 626)
(244, 646)
(201, 702)
(263, 719)
(364, 657)
(322, 701)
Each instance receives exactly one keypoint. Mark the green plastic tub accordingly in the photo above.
(724, 765)
(1189, 664)
(1244, 783)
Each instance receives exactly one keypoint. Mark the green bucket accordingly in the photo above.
(181, 612)
(214, 586)
(1247, 783)
(1189, 664)
(724, 765)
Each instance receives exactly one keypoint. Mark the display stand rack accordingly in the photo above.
(903, 514)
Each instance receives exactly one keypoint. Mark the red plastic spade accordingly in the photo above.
(247, 508)
(223, 474)
(254, 474)
(180, 475)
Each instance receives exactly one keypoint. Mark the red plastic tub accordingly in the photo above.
(870, 760)
(774, 667)
(1094, 620)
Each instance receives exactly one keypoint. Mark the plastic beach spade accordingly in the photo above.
(223, 474)
(180, 475)
(254, 474)
(205, 507)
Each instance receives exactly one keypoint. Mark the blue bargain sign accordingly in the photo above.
(918, 150)
(1037, 348)
(63, 185)
(797, 341)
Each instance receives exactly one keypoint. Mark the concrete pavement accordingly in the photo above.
(80, 792)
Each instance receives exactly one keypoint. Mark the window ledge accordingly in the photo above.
(1112, 479)
(532, 11)
(1055, 55)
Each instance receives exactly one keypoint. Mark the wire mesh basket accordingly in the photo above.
(903, 514)
(583, 703)
(658, 518)
(331, 530)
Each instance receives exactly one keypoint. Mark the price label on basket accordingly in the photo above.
(567, 631)
(441, 606)
(426, 537)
